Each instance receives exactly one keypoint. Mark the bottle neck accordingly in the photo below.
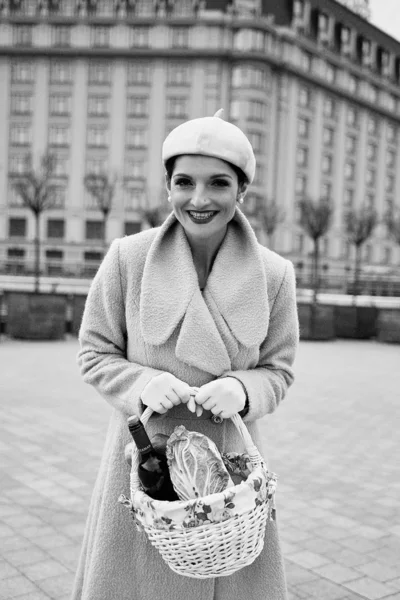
(141, 439)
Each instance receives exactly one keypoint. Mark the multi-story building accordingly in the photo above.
(100, 83)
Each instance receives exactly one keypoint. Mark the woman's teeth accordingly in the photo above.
(201, 215)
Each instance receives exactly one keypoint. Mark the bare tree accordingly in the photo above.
(270, 215)
(315, 220)
(102, 188)
(359, 226)
(35, 189)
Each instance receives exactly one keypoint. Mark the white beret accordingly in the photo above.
(211, 136)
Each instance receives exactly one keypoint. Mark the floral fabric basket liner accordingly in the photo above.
(257, 489)
(215, 535)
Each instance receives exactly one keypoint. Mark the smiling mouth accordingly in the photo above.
(202, 215)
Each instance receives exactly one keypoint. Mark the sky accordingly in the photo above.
(385, 14)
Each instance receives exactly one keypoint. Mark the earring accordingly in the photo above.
(169, 198)
(240, 199)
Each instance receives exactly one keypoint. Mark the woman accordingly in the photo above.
(195, 303)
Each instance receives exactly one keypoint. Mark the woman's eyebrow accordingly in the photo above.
(211, 176)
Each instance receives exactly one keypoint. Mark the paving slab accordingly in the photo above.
(331, 443)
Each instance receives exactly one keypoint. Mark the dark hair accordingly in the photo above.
(242, 179)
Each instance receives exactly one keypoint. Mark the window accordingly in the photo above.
(16, 260)
(60, 72)
(139, 74)
(326, 190)
(256, 140)
(94, 230)
(53, 262)
(17, 227)
(176, 107)
(256, 110)
(133, 199)
(56, 228)
(327, 136)
(303, 127)
(329, 108)
(299, 243)
(351, 144)
(250, 77)
(97, 135)
(61, 166)
(92, 261)
(327, 164)
(139, 37)
(138, 106)
(302, 157)
(389, 183)
(369, 201)
(21, 104)
(178, 74)
(22, 35)
(61, 36)
(96, 166)
(60, 104)
(387, 255)
(304, 97)
(135, 168)
(390, 159)
(249, 39)
(372, 152)
(180, 37)
(351, 117)
(58, 135)
(391, 133)
(132, 227)
(370, 177)
(212, 75)
(20, 134)
(372, 126)
(348, 198)
(98, 105)
(22, 72)
(99, 73)
(100, 36)
(18, 164)
(58, 197)
(136, 137)
(301, 182)
(349, 170)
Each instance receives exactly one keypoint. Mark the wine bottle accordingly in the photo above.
(153, 467)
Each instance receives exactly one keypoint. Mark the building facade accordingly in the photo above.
(100, 83)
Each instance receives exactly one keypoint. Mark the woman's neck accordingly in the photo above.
(204, 252)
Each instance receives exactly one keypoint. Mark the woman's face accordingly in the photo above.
(203, 192)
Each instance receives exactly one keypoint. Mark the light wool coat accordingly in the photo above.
(145, 314)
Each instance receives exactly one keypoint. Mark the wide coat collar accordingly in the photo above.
(234, 308)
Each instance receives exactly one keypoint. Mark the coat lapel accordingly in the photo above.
(233, 311)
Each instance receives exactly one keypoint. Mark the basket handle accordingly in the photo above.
(255, 457)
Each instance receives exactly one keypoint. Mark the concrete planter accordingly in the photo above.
(317, 326)
(78, 306)
(32, 316)
(388, 325)
(355, 322)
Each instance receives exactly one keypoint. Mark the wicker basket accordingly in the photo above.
(212, 549)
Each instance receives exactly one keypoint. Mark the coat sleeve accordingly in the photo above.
(102, 336)
(266, 385)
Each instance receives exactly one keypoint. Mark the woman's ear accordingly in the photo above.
(243, 189)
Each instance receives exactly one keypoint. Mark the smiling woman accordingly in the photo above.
(197, 321)
(203, 191)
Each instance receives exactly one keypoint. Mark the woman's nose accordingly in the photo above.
(199, 197)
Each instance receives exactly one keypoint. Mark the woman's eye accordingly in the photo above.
(220, 182)
(182, 182)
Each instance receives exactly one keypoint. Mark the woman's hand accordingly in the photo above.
(224, 397)
(165, 391)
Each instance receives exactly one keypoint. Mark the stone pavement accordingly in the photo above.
(333, 443)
